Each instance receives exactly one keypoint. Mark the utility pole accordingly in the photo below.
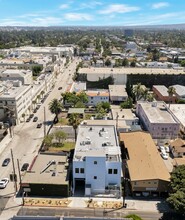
(14, 175)
(20, 180)
(44, 121)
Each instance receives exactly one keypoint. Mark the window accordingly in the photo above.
(95, 177)
(110, 171)
(95, 162)
(91, 97)
(76, 170)
(135, 183)
(115, 171)
(81, 170)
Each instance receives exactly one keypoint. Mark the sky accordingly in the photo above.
(91, 12)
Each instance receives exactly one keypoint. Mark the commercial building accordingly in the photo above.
(47, 176)
(15, 98)
(147, 171)
(25, 76)
(120, 74)
(97, 161)
(117, 93)
(161, 94)
(157, 119)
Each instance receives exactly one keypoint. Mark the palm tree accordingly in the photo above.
(138, 91)
(74, 120)
(171, 91)
(55, 107)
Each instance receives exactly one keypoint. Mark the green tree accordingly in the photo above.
(138, 91)
(171, 91)
(127, 104)
(36, 70)
(55, 107)
(108, 62)
(125, 62)
(134, 217)
(60, 136)
(48, 141)
(129, 89)
(74, 121)
(177, 197)
(133, 64)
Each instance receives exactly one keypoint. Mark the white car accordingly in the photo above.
(3, 183)
(162, 148)
(164, 155)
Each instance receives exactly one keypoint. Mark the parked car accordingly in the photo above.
(35, 119)
(39, 125)
(59, 88)
(32, 115)
(162, 148)
(3, 183)
(28, 119)
(6, 162)
(24, 166)
(164, 155)
(35, 111)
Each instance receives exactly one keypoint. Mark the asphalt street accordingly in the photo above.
(87, 213)
(27, 138)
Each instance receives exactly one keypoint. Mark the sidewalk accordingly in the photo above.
(14, 204)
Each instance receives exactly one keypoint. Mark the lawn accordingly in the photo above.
(67, 146)
(63, 121)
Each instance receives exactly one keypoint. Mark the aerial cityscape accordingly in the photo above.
(92, 110)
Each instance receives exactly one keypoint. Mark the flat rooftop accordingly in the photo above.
(158, 113)
(129, 70)
(97, 141)
(42, 173)
(117, 90)
(180, 90)
(123, 114)
(15, 72)
(14, 92)
(162, 90)
(179, 111)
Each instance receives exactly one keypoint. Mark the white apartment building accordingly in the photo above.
(16, 98)
(25, 76)
(97, 161)
(157, 119)
(97, 96)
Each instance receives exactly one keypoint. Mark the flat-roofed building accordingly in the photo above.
(161, 94)
(147, 171)
(78, 87)
(124, 115)
(97, 161)
(47, 176)
(120, 74)
(16, 99)
(97, 96)
(118, 93)
(178, 111)
(179, 91)
(157, 119)
(25, 76)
